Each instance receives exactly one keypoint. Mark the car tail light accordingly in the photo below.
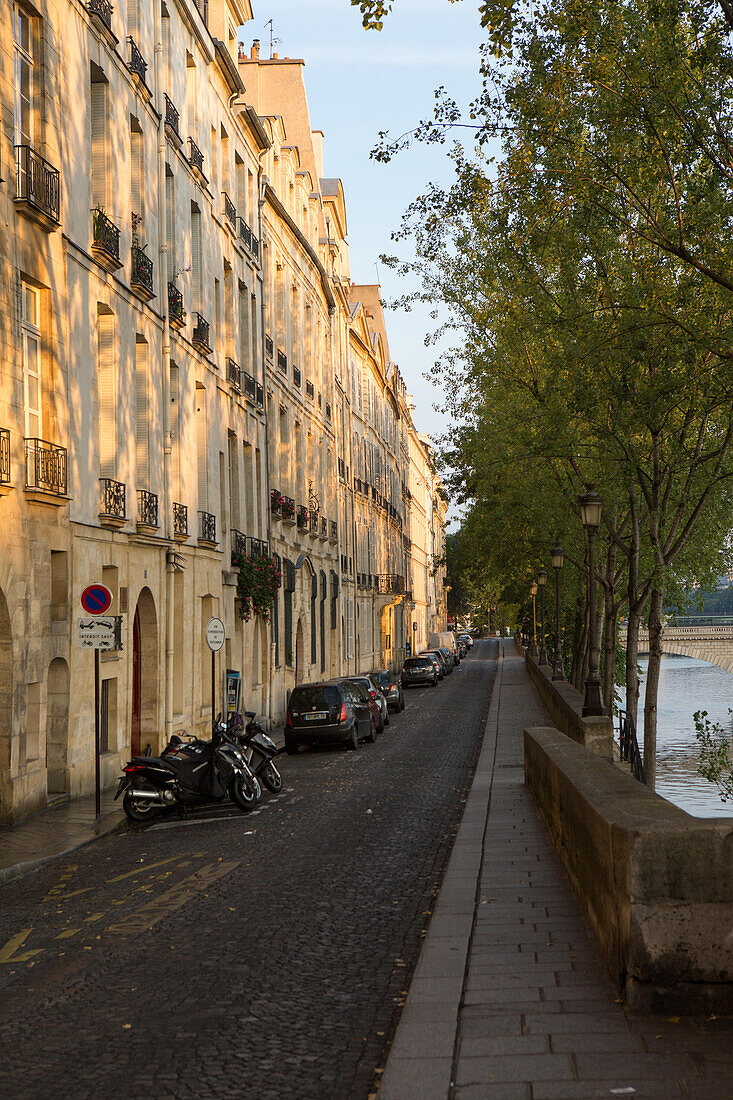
(372, 693)
(288, 718)
(343, 716)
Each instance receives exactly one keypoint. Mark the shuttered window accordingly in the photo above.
(142, 445)
(107, 396)
(175, 422)
(202, 465)
(244, 327)
(30, 323)
(23, 76)
(137, 176)
(165, 40)
(133, 19)
(196, 273)
(170, 224)
(99, 143)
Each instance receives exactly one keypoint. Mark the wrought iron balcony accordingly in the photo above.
(37, 186)
(176, 312)
(333, 531)
(230, 212)
(45, 467)
(239, 546)
(196, 157)
(249, 386)
(313, 523)
(257, 548)
(201, 338)
(357, 485)
(207, 527)
(106, 239)
(245, 234)
(309, 389)
(303, 517)
(389, 584)
(172, 120)
(268, 347)
(296, 376)
(282, 361)
(147, 508)
(234, 373)
(180, 521)
(103, 10)
(328, 411)
(259, 395)
(141, 279)
(255, 247)
(276, 502)
(323, 533)
(344, 564)
(288, 510)
(4, 456)
(137, 63)
(112, 500)
(342, 469)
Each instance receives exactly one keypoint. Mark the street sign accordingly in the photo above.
(102, 633)
(96, 599)
(215, 634)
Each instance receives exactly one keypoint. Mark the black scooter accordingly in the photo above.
(259, 749)
(188, 773)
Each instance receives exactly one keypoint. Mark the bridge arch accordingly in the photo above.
(712, 644)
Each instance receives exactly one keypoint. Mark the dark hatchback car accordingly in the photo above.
(390, 688)
(445, 661)
(323, 712)
(437, 660)
(418, 670)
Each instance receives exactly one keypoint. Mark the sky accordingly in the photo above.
(359, 83)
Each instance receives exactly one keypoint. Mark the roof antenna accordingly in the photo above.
(376, 268)
(273, 41)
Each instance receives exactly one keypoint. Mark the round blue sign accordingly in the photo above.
(96, 599)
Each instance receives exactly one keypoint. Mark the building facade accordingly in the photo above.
(187, 374)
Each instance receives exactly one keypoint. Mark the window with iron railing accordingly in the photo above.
(147, 508)
(137, 63)
(207, 527)
(106, 236)
(176, 312)
(230, 212)
(172, 117)
(309, 389)
(239, 545)
(37, 183)
(201, 337)
(180, 520)
(45, 467)
(112, 498)
(234, 372)
(195, 157)
(142, 271)
(296, 376)
(245, 233)
(4, 456)
(268, 347)
(282, 361)
(103, 10)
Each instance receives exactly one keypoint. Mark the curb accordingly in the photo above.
(420, 1061)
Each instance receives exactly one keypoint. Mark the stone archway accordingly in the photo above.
(6, 688)
(57, 727)
(144, 714)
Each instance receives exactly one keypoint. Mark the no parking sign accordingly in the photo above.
(96, 599)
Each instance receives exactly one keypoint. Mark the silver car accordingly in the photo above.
(375, 691)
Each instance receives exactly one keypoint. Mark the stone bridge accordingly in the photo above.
(713, 644)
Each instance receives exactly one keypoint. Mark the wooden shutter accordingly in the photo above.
(170, 225)
(132, 18)
(202, 464)
(165, 38)
(107, 396)
(196, 259)
(142, 459)
(99, 143)
(175, 431)
(137, 175)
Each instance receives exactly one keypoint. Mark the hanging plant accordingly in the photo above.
(257, 585)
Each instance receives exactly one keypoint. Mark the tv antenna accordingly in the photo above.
(273, 41)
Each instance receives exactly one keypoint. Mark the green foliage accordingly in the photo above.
(715, 763)
(258, 583)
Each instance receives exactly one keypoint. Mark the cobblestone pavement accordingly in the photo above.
(253, 956)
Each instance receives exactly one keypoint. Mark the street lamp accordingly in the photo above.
(590, 513)
(556, 557)
(533, 594)
(542, 581)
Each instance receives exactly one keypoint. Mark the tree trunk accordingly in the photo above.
(632, 663)
(652, 687)
(609, 651)
(579, 642)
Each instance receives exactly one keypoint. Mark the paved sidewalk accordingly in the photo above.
(511, 998)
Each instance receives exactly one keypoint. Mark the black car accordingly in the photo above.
(418, 670)
(446, 659)
(437, 659)
(390, 688)
(327, 712)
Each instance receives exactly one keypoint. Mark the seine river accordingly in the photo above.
(687, 685)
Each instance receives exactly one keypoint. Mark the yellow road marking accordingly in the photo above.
(149, 914)
(95, 916)
(73, 894)
(67, 934)
(8, 952)
(142, 868)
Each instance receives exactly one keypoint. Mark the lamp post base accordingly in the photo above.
(533, 651)
(543, 656)
(558, 672)
(593, 703)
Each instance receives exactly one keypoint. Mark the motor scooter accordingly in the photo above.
(259, 749)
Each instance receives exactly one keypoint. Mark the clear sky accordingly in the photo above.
(359, 83)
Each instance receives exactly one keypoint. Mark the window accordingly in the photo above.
(137, 177)
(170, 223)
(201, 449)
(30, 315)
(196, 279)
(23, 76)
(142, 444)
(175, 430)
(98, 100)
(107, 396)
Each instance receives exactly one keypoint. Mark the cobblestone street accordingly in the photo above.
(246, 956)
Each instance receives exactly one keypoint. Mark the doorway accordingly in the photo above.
(144, 710)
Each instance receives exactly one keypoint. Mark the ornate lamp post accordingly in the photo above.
(533, 594)
(542, 581)
(590, 513)
(556, 557)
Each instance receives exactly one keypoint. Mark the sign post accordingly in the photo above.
(215, 635)
(99, 631)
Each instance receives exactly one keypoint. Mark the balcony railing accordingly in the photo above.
(323, 533)
(195, 157)
(207, 527)
(342, 469)
(141, 279)
(234, 373)
(257, 548)
(45, 467)
(313, 523)
(112, 499)
(276, 502)
(296, 376)
(137, 63)
(268, 347)
(389, 584)
(303, 517)
(180, 521)
(245, 234)
(259, 395)
(103, 10)
(239, 546)
(328, 411)
(172, 119)
(230, 211)
(106, 238)
(309, 389)
(255, 247)
(4, 456)
(176, 312)
(333, 531)
(147, 508)
(282, 361)
(37, 184)
(288, 510)
(201, 334)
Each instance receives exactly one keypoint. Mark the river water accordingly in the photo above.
(687, 685)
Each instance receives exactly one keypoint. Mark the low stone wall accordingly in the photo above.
(656, 883)
(565, 705)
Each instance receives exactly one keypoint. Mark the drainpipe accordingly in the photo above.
(263, 365)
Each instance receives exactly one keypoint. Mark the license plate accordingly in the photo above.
(315, 716)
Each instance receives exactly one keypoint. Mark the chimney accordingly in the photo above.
(275, 56)
(255, 51)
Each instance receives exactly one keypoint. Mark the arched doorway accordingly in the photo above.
(6, 685)
(57, 727)
(299, 651)
(144, 720)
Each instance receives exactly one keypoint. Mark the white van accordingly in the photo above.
(447, 639)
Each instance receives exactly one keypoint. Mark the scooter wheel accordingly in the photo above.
(245, 791)
(137, 810)
(271, 778)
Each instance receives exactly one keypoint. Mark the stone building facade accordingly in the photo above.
(183, 369)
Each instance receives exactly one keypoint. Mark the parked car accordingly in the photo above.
(419, 670)
(466, 639)
(327, 712)
(372, 688)
(451, 657)
(446, 657)
(391, 689)
(437, 659)
(462, 648)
